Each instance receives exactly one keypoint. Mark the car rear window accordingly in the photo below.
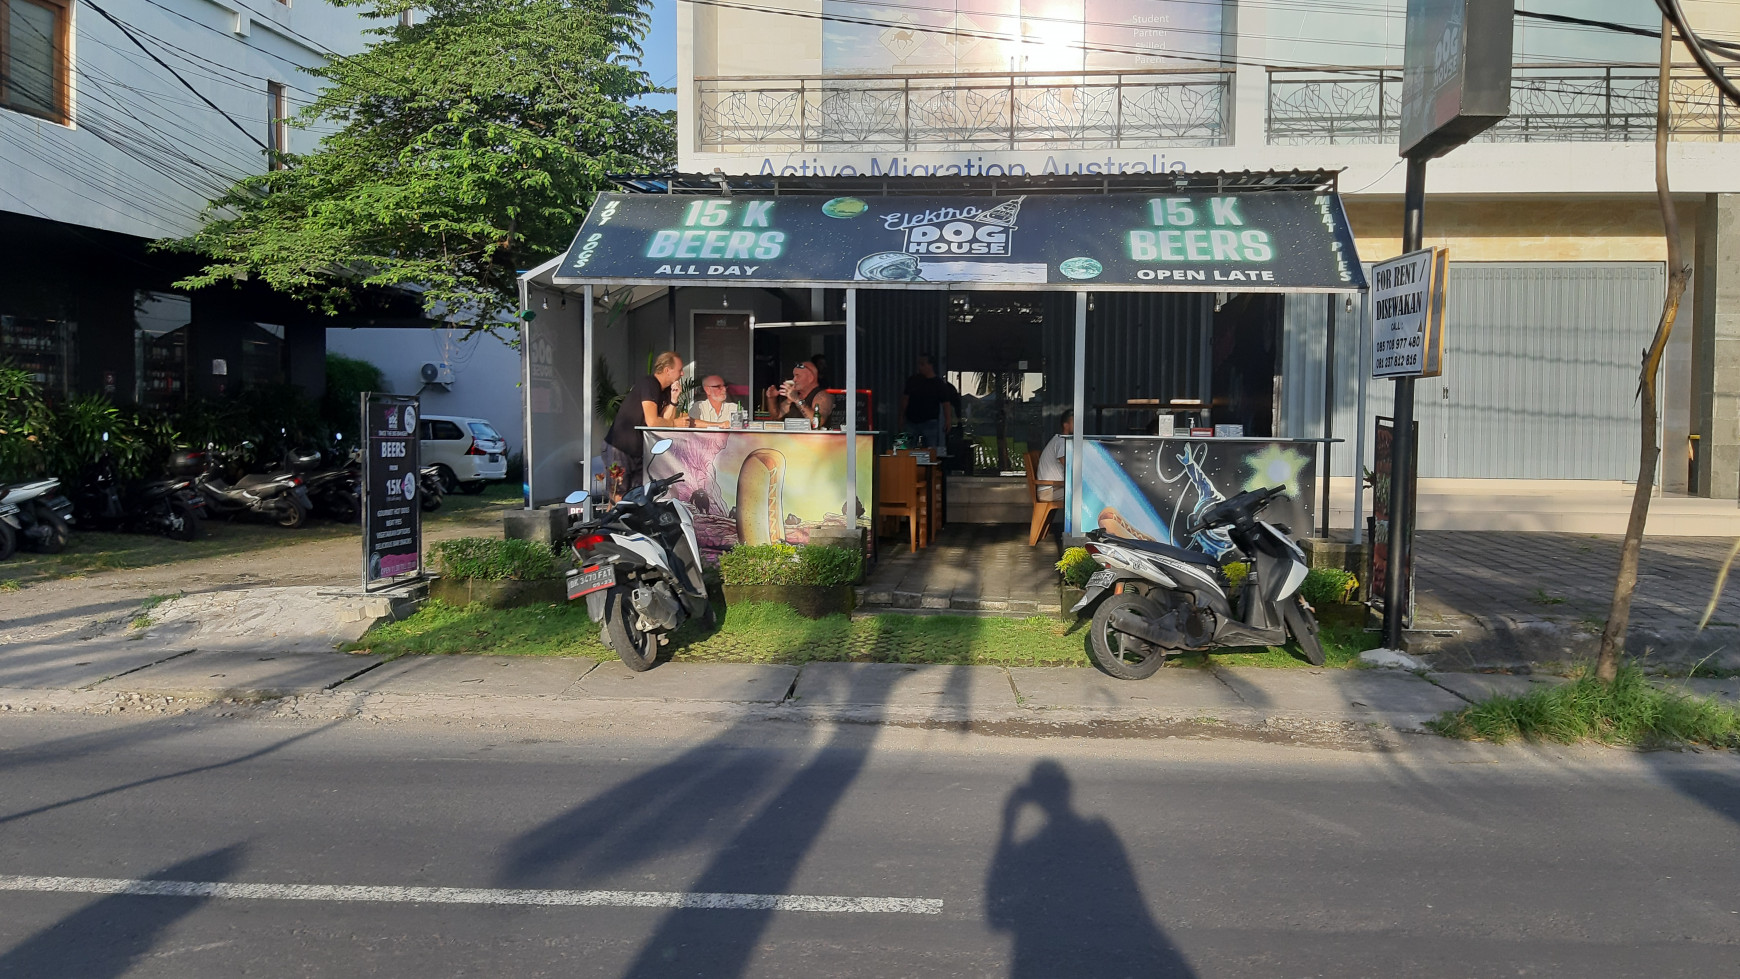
(484, 430)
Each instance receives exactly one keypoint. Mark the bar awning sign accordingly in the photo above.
(1407, 295)
(1274, 241)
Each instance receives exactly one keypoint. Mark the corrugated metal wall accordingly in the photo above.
(1540, 371)
(1146, 345)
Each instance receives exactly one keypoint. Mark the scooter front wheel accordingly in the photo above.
(638, 650)
(1303, 625)
(1124, 656)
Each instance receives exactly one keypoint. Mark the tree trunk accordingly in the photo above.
(1625, 583)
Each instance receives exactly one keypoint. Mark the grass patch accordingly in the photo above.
(90, 551)
(759, 632)
(1629, 711)
(1540, 597)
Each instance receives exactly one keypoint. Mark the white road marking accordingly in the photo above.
(471, 895)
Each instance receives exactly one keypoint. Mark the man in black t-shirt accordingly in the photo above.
(925, 405)
(648, 403)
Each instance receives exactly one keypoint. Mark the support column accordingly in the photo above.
(1716, 347)
(851, 513)
(1075, 522)
(586, 391)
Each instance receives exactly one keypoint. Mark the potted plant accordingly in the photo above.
(814, 579)
(496, 573)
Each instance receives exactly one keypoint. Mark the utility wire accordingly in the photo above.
(1728, 49)
(122, 28)
(1677, 17)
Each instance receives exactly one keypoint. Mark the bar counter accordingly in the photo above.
(758, 486)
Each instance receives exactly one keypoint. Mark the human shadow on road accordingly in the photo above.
(107, 938)
(1067, 893)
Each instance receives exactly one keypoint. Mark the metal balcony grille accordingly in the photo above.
(1087, 110)
(1556, 103)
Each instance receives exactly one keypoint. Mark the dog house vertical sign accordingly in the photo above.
(392, 514)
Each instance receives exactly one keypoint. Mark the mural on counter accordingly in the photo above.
(753, 487)
(1153, 489)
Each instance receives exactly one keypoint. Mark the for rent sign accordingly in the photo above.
(1408, 314)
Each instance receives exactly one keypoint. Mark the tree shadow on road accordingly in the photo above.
(1066, 893)
(107, 938)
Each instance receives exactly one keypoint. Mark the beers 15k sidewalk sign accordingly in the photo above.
(392, 516)
(1407, 302)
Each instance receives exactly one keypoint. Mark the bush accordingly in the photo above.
(1322, 586)
(784, 564)
(1077, 566)
(493, 560)
(346, 380)
(1328, 586)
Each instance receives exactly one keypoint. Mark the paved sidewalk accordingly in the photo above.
(1491, 599)
(1320, 704)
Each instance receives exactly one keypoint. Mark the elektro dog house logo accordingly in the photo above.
(957, 230)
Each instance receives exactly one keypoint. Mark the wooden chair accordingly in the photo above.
(897, 495)
(1042, 509)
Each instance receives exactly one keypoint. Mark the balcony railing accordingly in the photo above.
(1019, 111)
(1548, 103)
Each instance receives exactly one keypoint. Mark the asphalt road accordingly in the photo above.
(1050, 858)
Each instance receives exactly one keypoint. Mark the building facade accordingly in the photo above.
(1554, 234)
(119, 121)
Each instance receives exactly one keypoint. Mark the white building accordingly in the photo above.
(1554, 235)
(119, 120)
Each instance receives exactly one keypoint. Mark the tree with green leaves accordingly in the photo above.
(460, 149)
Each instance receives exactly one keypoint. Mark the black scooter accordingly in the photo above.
(169, 507)
(430, 487)
(281, 496)
(335, 491)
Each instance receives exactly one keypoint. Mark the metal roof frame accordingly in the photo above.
(1218, 182)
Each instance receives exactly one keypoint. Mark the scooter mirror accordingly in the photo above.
(575, 498)
(661, 447)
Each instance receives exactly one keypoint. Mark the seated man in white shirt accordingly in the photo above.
(1051, 459)
(712, 410)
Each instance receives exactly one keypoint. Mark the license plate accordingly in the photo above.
(1103, 578)
(592, 579)
(493, 457)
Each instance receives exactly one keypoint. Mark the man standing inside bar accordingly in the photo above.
(647, 403)
(925, 405)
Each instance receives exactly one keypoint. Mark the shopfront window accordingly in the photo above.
(263, 354)
(161, 324)
(43, 347)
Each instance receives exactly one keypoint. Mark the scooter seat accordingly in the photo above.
(252, 480)
(1171, 551)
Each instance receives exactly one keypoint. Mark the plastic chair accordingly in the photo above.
(1042, 509)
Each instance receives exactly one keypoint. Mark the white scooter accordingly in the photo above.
(1156, 600)
(639, 568)
(34, 515)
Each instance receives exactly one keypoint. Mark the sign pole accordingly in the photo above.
(1402, 441)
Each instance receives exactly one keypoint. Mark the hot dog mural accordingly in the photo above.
(756, 487)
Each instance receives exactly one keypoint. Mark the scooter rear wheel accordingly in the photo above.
(293, 516)
(638, 650)
(58, 533)
(1120, 655)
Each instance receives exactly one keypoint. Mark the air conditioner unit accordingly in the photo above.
(437, 374)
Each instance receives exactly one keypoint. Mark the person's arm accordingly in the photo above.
(824, 407)
(650, 411)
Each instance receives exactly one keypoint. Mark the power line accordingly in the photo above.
(189, 85)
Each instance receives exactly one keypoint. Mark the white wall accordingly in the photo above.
(486, 372)
(142, 154)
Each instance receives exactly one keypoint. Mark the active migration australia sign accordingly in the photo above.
(1275, 242)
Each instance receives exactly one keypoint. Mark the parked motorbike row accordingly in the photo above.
(196, 485)
(638, 567)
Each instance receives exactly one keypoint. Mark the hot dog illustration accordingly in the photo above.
(760, 510)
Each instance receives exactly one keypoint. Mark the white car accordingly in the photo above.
(468, 452)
